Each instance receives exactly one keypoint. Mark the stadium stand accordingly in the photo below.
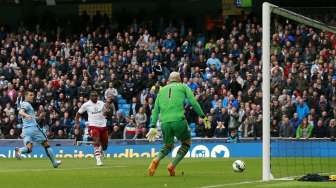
(222, 66)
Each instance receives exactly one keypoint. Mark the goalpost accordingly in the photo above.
(267, 10)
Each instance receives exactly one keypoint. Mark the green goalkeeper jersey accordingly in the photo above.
(169, 103)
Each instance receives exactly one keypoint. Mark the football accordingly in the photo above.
(238, 166)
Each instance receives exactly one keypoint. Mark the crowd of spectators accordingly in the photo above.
(221, 65)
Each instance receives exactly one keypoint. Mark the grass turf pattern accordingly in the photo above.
(124, 173)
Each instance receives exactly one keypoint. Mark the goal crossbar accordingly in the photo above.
(302, 19)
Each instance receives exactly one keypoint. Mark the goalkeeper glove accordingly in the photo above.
(152, 134)
(206, 123)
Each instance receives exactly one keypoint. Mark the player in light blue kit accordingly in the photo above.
(32, 132)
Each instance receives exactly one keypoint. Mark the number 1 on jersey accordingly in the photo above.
(169, 94)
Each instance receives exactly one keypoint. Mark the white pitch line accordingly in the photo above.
(231, 184)
(60, 169)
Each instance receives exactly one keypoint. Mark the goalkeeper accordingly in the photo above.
(169, 105)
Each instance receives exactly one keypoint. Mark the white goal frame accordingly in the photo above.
(267, 10)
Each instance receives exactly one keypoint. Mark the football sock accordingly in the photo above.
(50, 154)
(164, 152)
(97, 151)
(183, 150)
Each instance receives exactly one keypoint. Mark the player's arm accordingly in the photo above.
(191, 98)
(81, 110)
(22, 111)
(153, 133)
(155, 112)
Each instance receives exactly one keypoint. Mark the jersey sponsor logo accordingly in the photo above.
(96, 111)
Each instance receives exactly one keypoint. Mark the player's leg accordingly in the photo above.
(104, 140)
(40, 137)
(28, 148)
(168, 140)
(50, 154)
(27, 141)
(95, 135)
(182, 132)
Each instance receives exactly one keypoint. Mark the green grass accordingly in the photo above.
(120, 173)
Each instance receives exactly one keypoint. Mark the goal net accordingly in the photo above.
(299, 93)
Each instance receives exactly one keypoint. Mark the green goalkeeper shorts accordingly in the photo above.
(178, 129)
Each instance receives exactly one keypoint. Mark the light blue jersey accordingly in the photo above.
(31, 131)
(28, 108)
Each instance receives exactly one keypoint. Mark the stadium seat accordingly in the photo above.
(126, 106)
(119, 97)
(192, 129)
(121, 101)
(122, 111)
(192, 125)
(193, 134)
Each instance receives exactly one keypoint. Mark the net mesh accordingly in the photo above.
(302, 74)
(292, 157)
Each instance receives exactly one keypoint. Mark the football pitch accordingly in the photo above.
(132, 173)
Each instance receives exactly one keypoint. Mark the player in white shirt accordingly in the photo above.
(97, 111)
